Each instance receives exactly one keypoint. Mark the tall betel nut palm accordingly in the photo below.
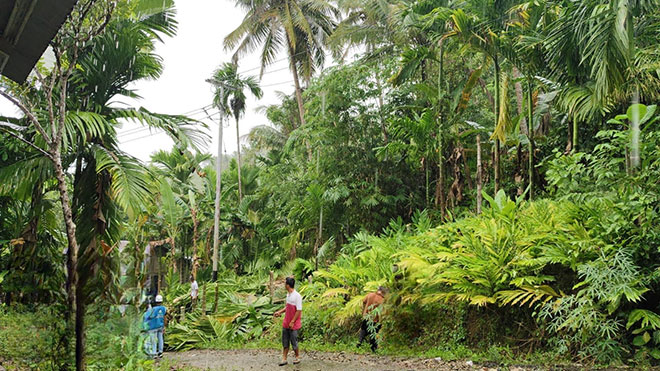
(68, 119)
(230, 98)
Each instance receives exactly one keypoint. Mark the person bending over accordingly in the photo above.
(371, 317)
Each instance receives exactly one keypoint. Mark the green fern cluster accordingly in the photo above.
(558, 258)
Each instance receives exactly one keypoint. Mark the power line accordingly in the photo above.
(143, 137)
(266, 72)
(276, 84)
(140, 130)
(158, 130)
(283, 59)
(196, 111)
(202, 109)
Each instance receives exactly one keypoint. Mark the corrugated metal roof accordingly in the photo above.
(26, 28)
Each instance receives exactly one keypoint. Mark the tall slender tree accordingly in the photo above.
(523, 47)
(480, 25)
(69, 121)
(230, 96)
(603, 56)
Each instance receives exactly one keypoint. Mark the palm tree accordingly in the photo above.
(367, 22)
(230, 97)
(106, 181)
(184, 168)
(301, 27)
(524, 49)
(480, 25)
(602, 55)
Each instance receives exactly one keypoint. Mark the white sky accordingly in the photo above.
(189, 59)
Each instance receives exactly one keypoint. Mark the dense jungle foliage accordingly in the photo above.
(494, 163)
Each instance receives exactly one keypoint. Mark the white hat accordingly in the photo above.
(159, 298)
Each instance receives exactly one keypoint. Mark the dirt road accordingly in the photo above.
(259, 359)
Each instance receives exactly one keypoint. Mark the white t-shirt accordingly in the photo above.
(294, 299)
(194, 289)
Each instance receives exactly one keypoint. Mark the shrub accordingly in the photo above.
(31, 339)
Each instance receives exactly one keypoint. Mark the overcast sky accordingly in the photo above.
(189, 59)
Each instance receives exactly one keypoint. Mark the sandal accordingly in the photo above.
(296, 361)
(283, 363)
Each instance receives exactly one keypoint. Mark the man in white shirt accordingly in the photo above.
(194, 291)
(292, 323)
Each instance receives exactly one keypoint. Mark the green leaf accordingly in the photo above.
(641, 340)
(170, 207)
(636, 109)
(646, 317)
(655, 353)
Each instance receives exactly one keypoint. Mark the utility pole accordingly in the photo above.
(218, 185)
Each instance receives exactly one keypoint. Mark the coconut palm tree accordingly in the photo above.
(230, 97)
(302, 27)
(372, 23)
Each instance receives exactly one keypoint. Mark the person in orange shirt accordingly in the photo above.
(371, 317)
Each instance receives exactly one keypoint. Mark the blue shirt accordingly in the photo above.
(146, 319)
(157, 317)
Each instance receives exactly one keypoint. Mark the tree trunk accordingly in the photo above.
(466, 167)
(173, 253)
(320, 238)
(216, 215)
(479, 174)
(193, 214)
(296, 81)
(381, 104)
(497, 117)
(72, 250)
(440, 199)
(81, 338)
(523, 125)
(519, 101)
(426, 176)
(574, 142)
(238, 153)
(530, 136)
(383, 128)
(215, 300)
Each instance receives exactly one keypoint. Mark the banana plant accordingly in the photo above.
(171, 213)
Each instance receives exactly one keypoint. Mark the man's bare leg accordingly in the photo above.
(285, 354)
